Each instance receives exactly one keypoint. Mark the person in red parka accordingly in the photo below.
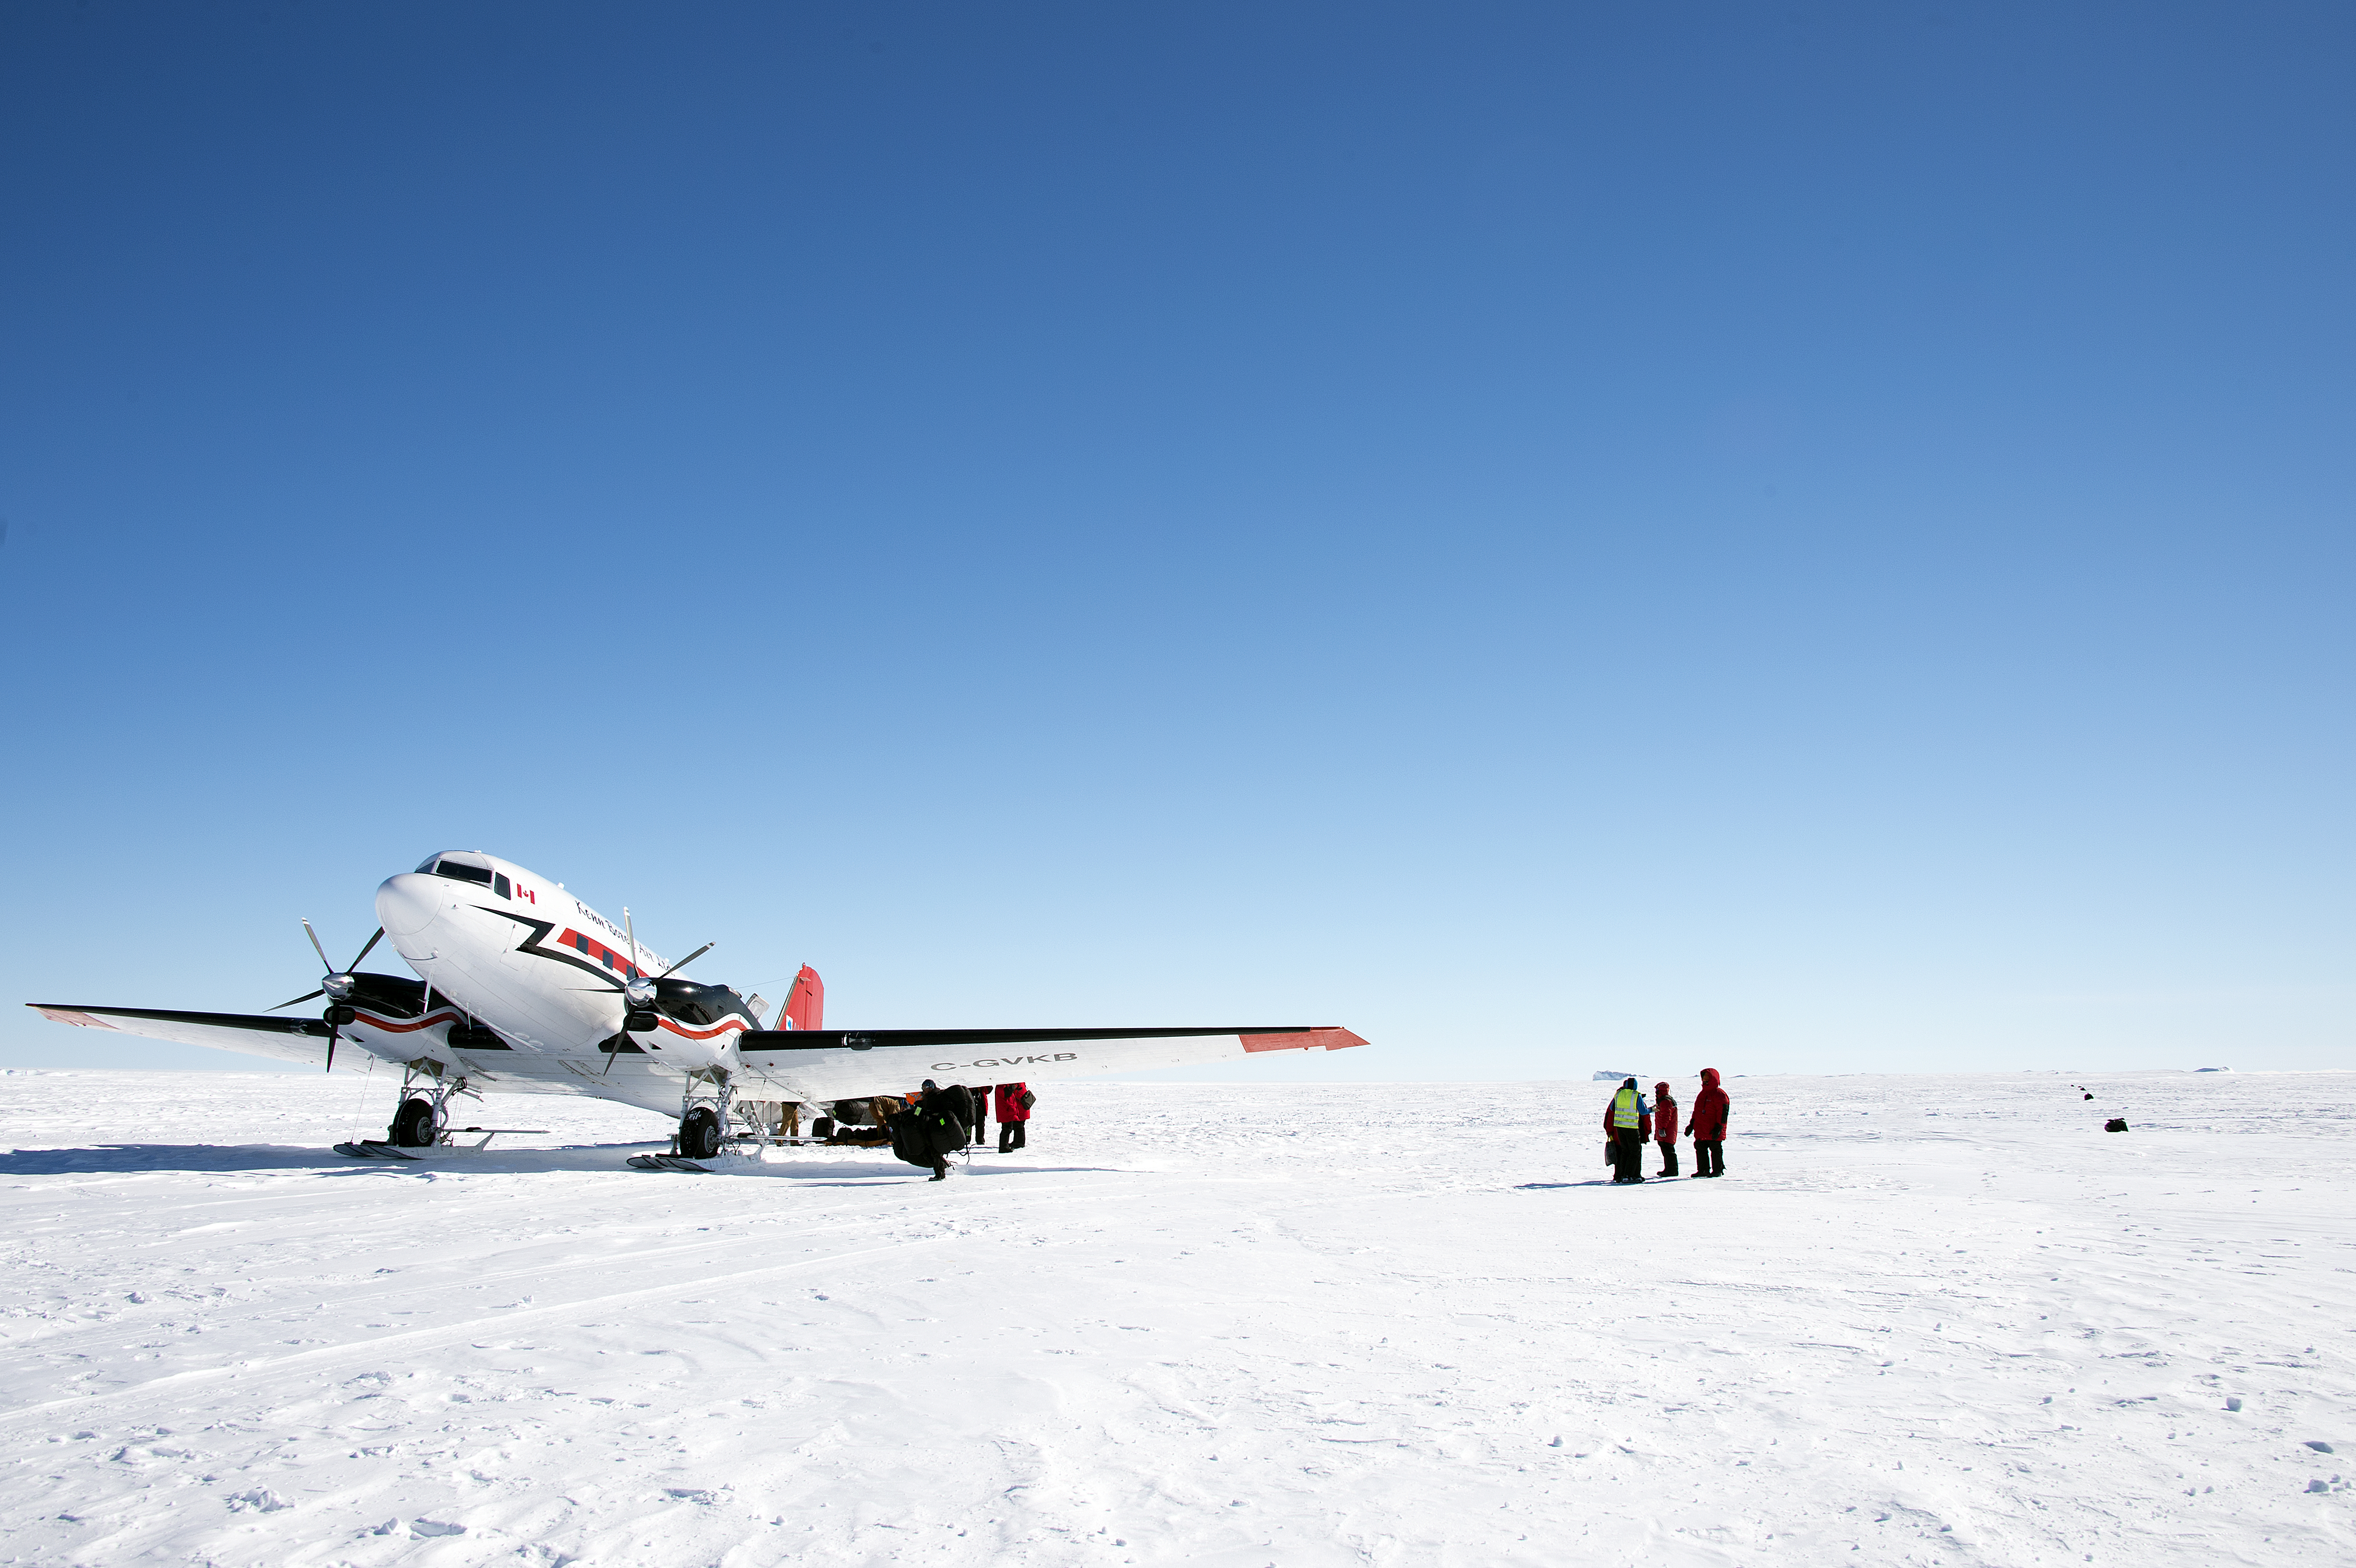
(1014, 1102)
(1664, 1128)
(1708, 1128)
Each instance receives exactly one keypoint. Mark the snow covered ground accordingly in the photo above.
(1924, 1319)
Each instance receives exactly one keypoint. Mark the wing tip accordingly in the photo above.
(64, 1015)
(1331, 1037)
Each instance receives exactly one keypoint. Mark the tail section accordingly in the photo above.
(806, 1003)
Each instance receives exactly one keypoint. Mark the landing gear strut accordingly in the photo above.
(704, 1106)
(419, 1122)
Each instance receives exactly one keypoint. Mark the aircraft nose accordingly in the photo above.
(406, 905)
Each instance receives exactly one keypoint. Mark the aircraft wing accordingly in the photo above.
(302, 1039)
(837, 1064)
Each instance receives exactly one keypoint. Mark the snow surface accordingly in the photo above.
(1927, 1319)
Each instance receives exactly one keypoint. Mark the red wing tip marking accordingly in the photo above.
(67, 1015)
(1330, 1039)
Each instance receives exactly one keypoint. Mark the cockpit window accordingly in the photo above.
(452, 868)
(426, 867)
(498, 884)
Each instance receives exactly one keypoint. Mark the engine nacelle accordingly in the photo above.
(688, 1027)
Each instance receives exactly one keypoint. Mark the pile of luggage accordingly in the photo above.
(925, 1129)
(861, 1123)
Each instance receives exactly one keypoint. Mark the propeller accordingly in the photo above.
(638, 992)
(686, 960)
(336, 986)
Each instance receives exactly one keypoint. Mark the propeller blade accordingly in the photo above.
(334, 1034)
(322, 952)
(366, 951)
(686, 960)
(304, 998)
(631, 932)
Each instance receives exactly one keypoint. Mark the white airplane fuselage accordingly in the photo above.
(542, 968)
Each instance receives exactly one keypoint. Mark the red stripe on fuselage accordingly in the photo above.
(722, 1026)
(397, 1026)
(582, 943)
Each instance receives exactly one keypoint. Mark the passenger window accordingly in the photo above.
(499, 885)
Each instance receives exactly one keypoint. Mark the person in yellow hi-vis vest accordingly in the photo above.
(1628, 1123)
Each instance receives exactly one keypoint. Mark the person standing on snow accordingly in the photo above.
(1664, 1128)
(1014, 1103)
(1708, 1128)
(1628, 1123)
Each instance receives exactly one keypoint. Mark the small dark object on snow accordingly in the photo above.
(2320, 1447)
(2115, 1124)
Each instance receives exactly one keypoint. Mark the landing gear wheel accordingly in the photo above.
(699, 1134)
(413, 1125)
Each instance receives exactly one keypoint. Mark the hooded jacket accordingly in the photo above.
(1665, 1115)
(1709, 1109)
(1643, 1116)
(1010, 1106)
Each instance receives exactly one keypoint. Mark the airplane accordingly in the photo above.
(523, 988)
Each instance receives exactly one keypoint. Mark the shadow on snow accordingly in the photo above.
(227, 1158)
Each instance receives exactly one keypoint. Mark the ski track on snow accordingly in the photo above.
(1927, 1319)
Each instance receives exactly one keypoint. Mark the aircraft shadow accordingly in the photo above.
(121, 1159)
(205, 1159)
(838, 1173)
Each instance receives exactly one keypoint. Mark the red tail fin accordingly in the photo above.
(806, 1003)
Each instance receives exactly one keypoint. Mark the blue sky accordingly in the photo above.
(1804, 539)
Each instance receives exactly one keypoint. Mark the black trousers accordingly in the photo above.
(1668, 1160)
(1009, 1136)
(1627, 1155)
(1709, 1157)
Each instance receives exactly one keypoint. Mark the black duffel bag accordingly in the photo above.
(910, 1139)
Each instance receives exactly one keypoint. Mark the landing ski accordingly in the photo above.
(373, 1148)
(666, 1162)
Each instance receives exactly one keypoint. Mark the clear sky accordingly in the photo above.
(1803, 537)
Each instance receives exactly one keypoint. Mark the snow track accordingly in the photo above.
(1927, 1320)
